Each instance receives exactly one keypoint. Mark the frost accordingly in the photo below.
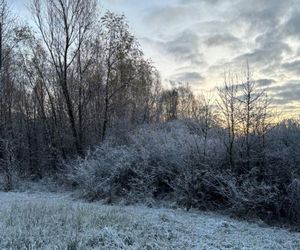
(51, 221)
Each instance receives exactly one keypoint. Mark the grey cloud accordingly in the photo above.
(167, 15)
(261, 26)
(263, 15)
(292, 26)
(214, 26)
(285, 94)
(268, 56)
(293, 67)
(222, 39)
(182, 48)
(185, 47)
(265, 82)
(201, 1)
(263, 18)
(190, 77)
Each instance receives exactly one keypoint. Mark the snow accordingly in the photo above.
(56, 221)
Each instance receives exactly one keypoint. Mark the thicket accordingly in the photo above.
(166, 162)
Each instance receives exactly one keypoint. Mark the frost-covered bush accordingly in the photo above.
(283, 152)
(111, 172)
(175, 155)
(173, 161)
(206, 189)
(104, 172)
(293, 202)
(256, 199)
(148, 164)
(8, 181)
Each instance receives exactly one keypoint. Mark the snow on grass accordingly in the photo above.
(49, 221)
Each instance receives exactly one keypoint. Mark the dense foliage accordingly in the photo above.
(166, 162)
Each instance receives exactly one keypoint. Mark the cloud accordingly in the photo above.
(293, 67)
(211, 27)
(222, 39)
(216, 35)
(267, 57)
(262, 15)
(292, 27)
(286, 93)
(265, 29)
(169, 15)
(255, 32)
(190, 77)
(213, 2)
(183, 48)
(264, 82)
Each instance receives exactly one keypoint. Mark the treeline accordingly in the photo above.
(77, 86)
(68, 82)
(72, 80)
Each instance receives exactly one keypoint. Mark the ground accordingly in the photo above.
(56, 221)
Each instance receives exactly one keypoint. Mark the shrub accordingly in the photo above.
(205, 189)
(168, 161)
(293, 202)
(148, 164)
(99, 174)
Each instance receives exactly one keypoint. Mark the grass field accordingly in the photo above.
(50, 221)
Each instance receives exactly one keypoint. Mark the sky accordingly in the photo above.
(196, 41)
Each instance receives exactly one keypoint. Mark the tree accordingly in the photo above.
(64, 25)
(118, 43)
(245, 114)
(229, 107)
(8, 91)
(177, 102)
(204, 114)
(253, 116)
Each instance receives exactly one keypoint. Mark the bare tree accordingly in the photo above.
(253, 115)
(229, 106)
(120, 50)
(7, 89)
(64, 25)
(203, 112)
